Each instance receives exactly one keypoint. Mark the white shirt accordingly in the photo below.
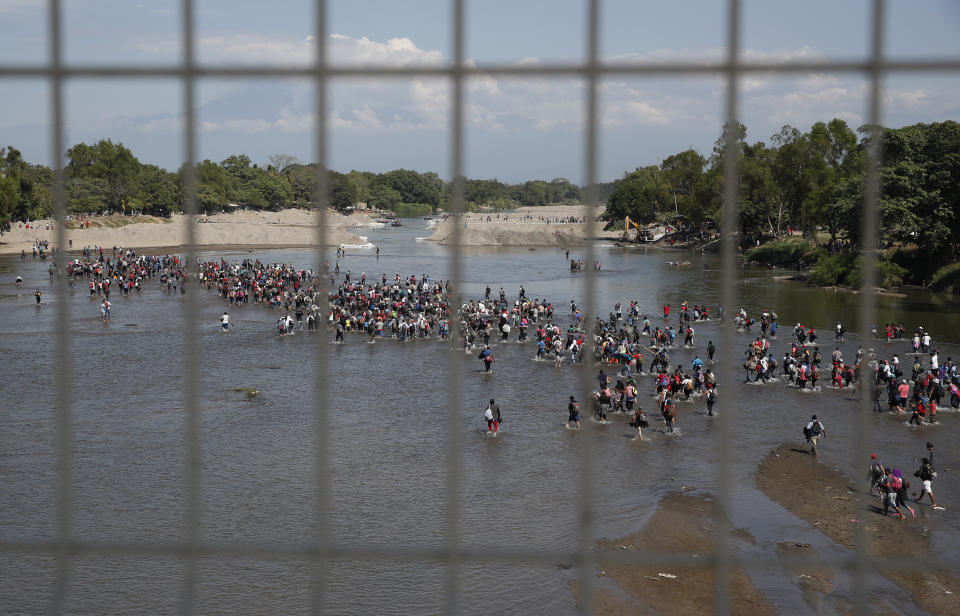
(810, 426)
(224, 319)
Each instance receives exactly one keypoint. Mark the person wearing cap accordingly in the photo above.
(875, 475)
(813, 431)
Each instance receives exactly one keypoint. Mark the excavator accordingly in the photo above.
(626, 229)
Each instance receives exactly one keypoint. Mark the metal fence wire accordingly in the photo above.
(320, 552)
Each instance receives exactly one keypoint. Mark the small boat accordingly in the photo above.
(396, 223)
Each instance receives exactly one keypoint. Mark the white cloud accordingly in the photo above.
(714, 55)
(909, 98)
(342, 50)
(371, 107)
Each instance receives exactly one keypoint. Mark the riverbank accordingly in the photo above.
(258, 229)
(550, 225)
(683, 524)
(823, 497)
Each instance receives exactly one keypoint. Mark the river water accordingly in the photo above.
(387, 430)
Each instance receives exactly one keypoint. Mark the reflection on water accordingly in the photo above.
(386, 425)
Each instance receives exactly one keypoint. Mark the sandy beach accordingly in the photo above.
(247, 228)
(683, 524)
(526, 226)
(823, 496)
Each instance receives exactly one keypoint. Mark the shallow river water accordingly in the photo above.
(387, 430)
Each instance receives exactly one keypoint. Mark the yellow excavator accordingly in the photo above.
(626, 228)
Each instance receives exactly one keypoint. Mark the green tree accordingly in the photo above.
(109, 162)
(641, 195)
(342, 192)
(683, 173)
(760, 210)
(833, 201)
(156, 191)
(87, 195)
(920, 188)
(382, 197)
(413, 187)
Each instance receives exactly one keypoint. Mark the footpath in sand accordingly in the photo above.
(821, 496)
(526, 226)
(291, 227)
(682, 524)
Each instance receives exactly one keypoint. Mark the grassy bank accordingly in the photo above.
(411, 210)
(828, 269)
(947, 278)
(783, 253)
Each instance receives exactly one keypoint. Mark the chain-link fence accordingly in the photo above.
(323, 548)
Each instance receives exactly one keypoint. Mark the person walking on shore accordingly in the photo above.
(925, 473)
(813, 431)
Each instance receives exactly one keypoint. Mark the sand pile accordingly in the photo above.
(824, 497)
(284, 228)
(476, 233)
(526, 226)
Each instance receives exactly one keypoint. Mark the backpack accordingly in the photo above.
(897, 483)
(816, 428)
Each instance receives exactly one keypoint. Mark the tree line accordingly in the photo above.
(813, 183)
(108, 177)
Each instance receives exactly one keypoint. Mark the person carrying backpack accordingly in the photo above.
(813, 431)
(890, 486)
(486, 355)
(925, 473)
(711, 399)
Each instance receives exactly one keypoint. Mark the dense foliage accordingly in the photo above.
(107, 177)
(811, 182)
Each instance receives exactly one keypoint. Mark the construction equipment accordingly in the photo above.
(626, 228)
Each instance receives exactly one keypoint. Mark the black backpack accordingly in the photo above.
(816, 428)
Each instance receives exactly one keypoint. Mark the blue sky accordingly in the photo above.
(516, 129)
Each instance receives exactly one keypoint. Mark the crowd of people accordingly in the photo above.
(893, 488)
(624, 345)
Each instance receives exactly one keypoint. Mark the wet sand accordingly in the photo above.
(682, 524)
(825, 498)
